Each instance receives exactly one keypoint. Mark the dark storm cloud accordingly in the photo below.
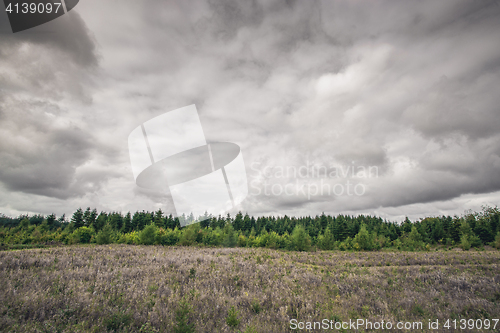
(38, 155)
(42, 143)
(67, 34)
(46, 167)
(454, 106)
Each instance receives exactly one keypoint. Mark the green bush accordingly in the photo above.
(300, 238)
(256, 306)
(189, 235)
(117, 320)
(210, 237)
(129, 238)
(230, 239)
(363, 239)
(82, 235)
(261, 240)
(182, 324)
(464, 242)
(242, 241)
(232, 317)
(326, 240)
(148, 234)
(168, 236)
(104, 236)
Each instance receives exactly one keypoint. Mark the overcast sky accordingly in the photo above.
(406, 89)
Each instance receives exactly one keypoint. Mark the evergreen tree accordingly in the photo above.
(323, 221)
(127, 223)
(238, 221)
(115, 220)
(136, 221)
(104, 236)
(326, 240)
(483, 233)
(230, 239)
(363, 239)
(51, 221)
(300, 238)
(205, 222)
(247, 225)
(77, 218)
(89, 217)
(340, 228)
(455, 230)
(158, 219)
(406, 226)
(438, 233)
(100, 221)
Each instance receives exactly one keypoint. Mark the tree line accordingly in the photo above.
(326, 232)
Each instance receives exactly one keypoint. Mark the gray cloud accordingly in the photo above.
(44, 71)
(407, 87)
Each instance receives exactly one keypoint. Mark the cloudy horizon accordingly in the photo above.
(405, 89)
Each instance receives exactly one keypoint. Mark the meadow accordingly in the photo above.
(129, 288)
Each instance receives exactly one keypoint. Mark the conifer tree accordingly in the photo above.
(77, 218)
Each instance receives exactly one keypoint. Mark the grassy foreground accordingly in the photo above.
(125, 288)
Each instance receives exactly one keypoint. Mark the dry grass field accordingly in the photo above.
(126, 288)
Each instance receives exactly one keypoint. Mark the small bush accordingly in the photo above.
(148, 234)
(182, 324)
(189, 235)
(117, 320)
(363, 240)
(232, 317)
(82, 235)
(230, 239)
(104, 236)
(192, 273)
(300, 238)
(256, 306)
(464, 242)
(250, 329)
(167, 237)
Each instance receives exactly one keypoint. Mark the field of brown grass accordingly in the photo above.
(126, 288)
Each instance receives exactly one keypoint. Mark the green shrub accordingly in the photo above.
(182, 324)
(148, 328)
(230, 239)
(300, 238)
(464, 242)
(261, 240)
(129, 238)
(167, 237)
(255, 306)
(232, 317)
(326, 240)
(250, 329)
(117, 320)
(148, 234)
(363, 239)
(82, 235)
(210, 237)
(104, 236)
(189, 235)
(242, 241)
